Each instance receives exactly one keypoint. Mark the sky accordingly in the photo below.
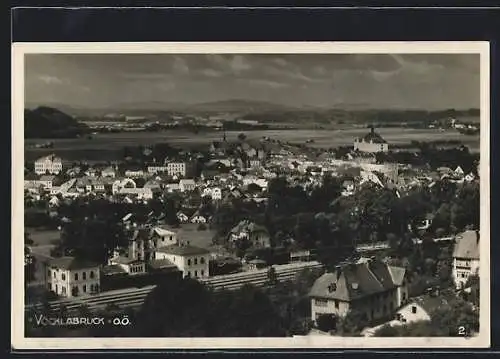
(433, 81)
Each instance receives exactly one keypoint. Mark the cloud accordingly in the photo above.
(180, 66)
(50, 80)
(265, 83)
(230, 64)
(211, 73)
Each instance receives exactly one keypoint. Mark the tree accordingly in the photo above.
(387, 331)
(272, 277)
(242, 137)
(353, 323)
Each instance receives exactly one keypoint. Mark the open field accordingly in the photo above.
(109, 146)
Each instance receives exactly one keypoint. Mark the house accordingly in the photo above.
(154, 169)
(54, 202)
(183, 218)
(182, 169)
(134, 172)
(470, 177)
(187, 185)
(214, 192)
(108, 172)
(172, 187)
(459, 172)
(348, 187)
(130, 266)
(71, 277)
(257, 235)
(426, 223)
(91, 172)
(371, 143)
(51, 164)
(163, 236)
(198, 218)
(370, 286)
(420, 309)
(192, 261)
(47, 181)
(465, 257)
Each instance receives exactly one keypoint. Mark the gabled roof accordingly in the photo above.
(467, 245)
(357, 280)
(186, 250)
(71, 263)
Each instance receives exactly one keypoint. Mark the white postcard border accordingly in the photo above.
(19, 341)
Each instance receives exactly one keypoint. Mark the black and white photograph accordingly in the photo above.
(264, 195)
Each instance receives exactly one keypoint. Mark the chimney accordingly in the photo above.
(338, 270)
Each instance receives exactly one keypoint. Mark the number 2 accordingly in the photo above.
(461, 330)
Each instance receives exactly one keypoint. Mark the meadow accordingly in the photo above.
(109, 146)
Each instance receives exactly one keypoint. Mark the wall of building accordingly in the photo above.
(370, 147)
(187, 265)
(64, 287)
(463, 269)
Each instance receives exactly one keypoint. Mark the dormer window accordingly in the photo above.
(332, 287)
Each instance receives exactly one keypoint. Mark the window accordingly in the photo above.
(336, 304)
(76, 276)
(188, 274)
(91, 274)
(57, 289)
(196, 273)
(63, 276)
(195, 261)
(189, 262)
(48, 272)
(202, 260)
(404, 296)
(332, 287)
(202, 272)
(321, 302)
(54, 274)
(84, 275)
(50, 286)
(84, 288)
(413, 309)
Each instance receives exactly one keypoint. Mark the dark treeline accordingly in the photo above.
(375, 116)
(47, 122)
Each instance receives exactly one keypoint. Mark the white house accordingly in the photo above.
(214, 192)
(50, 164)
(154, 169)
(178, 168)
(465, 257)
(108, 172)
(371, 143)
(71, 277)
(197, 218)
(191, 261)
(187, 185)
(134, 173)
(459, 171)
(182, 217)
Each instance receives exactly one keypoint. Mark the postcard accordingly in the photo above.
(321, 195)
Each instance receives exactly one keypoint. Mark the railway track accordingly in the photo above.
(134, 297)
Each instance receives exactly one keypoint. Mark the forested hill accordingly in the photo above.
(48, 122)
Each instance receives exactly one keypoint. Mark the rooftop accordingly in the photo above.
(467, 245)
(373, 136)
(185, 250)
(71, 263)
(357, 280)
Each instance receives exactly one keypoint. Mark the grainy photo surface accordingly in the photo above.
(251, 195)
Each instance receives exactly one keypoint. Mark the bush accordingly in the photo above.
(202, 227)
(326, 322)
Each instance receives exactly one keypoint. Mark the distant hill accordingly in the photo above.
(238, 105)
(49, 122)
